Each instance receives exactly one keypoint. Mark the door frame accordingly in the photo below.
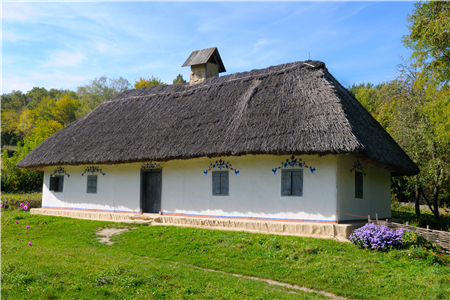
(142, 188)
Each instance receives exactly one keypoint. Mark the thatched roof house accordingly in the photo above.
(295, 108)
(212, 148)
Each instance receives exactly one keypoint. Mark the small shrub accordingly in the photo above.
(373, 237)
(429, 255)
(16, 203)
(413, 239)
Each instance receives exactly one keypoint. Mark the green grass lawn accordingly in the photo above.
(154, 262)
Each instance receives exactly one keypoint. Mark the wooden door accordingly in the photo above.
(151, 191)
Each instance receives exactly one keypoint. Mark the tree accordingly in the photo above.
(34, 96)
(148, 82)
(49, 116)
(429, 38)
(98, 91)
(16, 108)
(15, 100)
(179, 79)
(417, 117)
(119, 84)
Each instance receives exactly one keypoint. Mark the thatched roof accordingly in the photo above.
(295, 108)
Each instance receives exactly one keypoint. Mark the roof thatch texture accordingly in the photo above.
(295, 108)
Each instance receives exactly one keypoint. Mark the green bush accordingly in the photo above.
(429, 255)
(411, 239)
(14, 179)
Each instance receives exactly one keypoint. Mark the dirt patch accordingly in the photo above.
(269, 281)
(278, 283)
(105, 233)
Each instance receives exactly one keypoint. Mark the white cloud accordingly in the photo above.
(51, 80)
(261, 43)
(10, 36)
(17, 83)
(64, 59)
(103, 47)
(19, 11)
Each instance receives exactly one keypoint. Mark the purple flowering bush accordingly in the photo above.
(373, 237)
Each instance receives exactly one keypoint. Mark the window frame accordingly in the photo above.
(88, 191)
(58, 182)
(221, 182)
(299, 183)
(359, 185)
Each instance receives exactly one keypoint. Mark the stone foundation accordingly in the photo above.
(317, 230)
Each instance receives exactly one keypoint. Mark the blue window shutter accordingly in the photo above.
(57, 183)
(216, 183)
(286, 178)
(358, 184)
(224, 183)
(60, 184)
(53, 183)
(91, 184)
(297, 183)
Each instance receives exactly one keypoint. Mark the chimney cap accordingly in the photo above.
(203, 56)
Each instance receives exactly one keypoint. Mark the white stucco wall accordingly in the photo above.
(376, 190)
(118, 190)
(253, 193)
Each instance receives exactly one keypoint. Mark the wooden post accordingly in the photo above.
(376, 217)
(368, 219)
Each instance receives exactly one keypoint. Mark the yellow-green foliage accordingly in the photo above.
(429, 40)
(142, 82)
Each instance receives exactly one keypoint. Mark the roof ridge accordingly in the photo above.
(194, 88)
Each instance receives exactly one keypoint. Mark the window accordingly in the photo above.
(56, 183)
(358, 184)
(220, 183)
(91, 184)
(292, 182)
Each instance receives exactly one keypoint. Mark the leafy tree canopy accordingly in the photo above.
(142, 82)
(16, 107)
(429, 38)
(100, 90)
(179, 79)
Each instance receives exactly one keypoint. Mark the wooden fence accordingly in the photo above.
(440, 238)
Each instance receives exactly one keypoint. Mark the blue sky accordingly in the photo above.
(65, 45)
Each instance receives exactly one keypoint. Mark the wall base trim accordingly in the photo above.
(246, 218)
(335, 231)
(92, 215)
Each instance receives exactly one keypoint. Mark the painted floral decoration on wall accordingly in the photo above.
(59, 171)
(93, 169)
(151, 165)
(221, 164)
(358, 166)
(293, 161)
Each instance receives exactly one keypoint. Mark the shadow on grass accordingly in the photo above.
(426, 218)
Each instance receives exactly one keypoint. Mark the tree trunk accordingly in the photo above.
(436, 195)
(417, 200)
(429, 203)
